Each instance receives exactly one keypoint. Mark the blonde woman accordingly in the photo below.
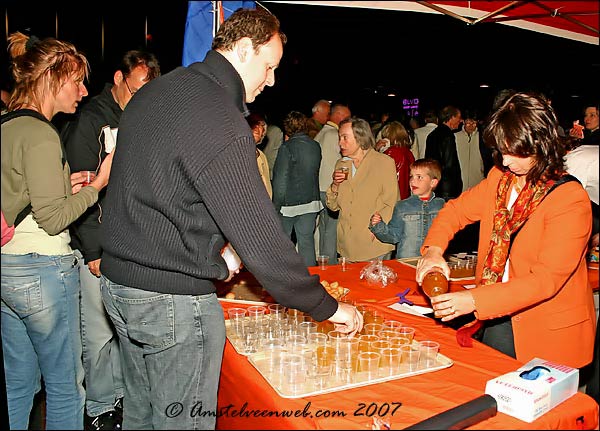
(399, 150)
(40, 278)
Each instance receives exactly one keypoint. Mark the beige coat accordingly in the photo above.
(263, 169)
(373, 187)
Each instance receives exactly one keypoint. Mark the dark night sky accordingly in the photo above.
(345, 54)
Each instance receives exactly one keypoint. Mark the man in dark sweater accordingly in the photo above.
(88, 140)
(184, 181)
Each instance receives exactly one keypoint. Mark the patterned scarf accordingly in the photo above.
(506, 223)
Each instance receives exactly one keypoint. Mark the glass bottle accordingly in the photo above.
(434, 282)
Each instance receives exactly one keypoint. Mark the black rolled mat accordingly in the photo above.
(460, 417)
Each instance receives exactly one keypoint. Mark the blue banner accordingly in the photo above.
(201, 19)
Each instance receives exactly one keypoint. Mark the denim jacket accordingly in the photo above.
(409, 224)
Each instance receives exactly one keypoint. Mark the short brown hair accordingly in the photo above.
(134, 58)
(295, 122)
(257, 24)
(434, 170)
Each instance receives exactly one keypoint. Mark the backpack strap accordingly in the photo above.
(21, 216)
(30, 113)
(564, 179)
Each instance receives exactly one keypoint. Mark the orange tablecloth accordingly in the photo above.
(247, 401)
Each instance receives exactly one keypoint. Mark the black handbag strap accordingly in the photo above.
(29, 113)
(21, 216)
(562, 180)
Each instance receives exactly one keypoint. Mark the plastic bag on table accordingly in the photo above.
(378, 273)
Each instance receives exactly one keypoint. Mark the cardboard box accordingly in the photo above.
(533, 389)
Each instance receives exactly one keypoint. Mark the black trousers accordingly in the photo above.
(498, 334)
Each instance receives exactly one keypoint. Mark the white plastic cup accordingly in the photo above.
(368, 363)
(429, 351)
(343, 261)
(410, 357)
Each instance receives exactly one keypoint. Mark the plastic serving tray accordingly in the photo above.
(258, 360)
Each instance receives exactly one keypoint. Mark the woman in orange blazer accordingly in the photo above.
(532, 293)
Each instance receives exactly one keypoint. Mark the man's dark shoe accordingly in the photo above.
(119, 406)
(106, 421)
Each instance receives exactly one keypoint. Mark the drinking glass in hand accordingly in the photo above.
(345, 170)
(89, 177)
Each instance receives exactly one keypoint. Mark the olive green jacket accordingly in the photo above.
(33, 172)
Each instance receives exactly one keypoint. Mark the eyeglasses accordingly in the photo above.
(129, 88)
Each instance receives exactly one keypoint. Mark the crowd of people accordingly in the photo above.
(104, 289)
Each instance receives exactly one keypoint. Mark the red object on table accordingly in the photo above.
(247, 401)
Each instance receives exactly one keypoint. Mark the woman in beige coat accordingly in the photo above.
(370, 186)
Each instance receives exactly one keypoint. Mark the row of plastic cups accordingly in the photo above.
(278, 313)
(334, 343)
(275, 329)
(272, 312)
(385, 331)
(295, 371)
(252, 335)
(256, 312)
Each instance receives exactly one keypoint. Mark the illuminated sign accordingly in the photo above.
(411, 106)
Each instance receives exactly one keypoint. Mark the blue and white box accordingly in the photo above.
(534, 389)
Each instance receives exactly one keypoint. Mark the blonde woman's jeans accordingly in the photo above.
(41, 337)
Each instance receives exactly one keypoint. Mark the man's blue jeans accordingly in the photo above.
(172, 348)
(101, 350)
(41, 336)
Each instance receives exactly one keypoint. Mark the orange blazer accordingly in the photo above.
(547, 294)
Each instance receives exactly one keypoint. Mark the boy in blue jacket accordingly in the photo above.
(412, 216)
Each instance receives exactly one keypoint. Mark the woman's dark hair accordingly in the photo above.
(525, 125)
